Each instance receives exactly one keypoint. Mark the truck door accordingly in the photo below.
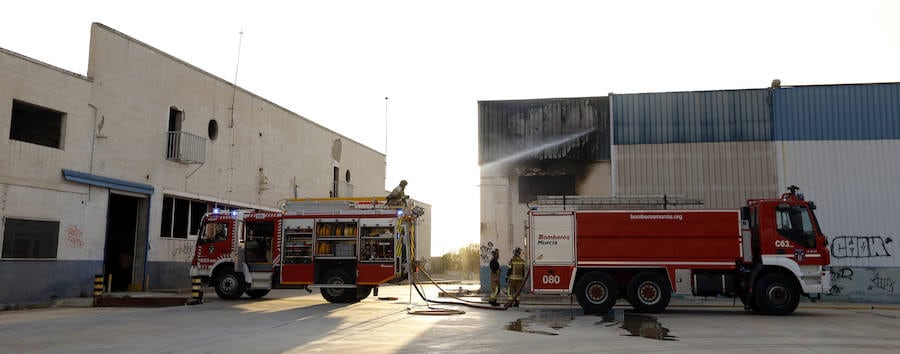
(552, 251)
(259, 233)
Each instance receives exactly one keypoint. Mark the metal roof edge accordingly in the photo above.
(108, 182)
(523, 100)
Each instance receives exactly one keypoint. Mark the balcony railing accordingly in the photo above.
(185, 148)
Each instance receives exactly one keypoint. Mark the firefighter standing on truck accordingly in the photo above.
(495, 277)
(516, 275)
(398, 196)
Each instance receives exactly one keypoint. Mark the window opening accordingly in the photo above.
(30, 238)
(532, 186)
(181, 217)
(335, 181)
(213, 129)
(175, 118)
(35, 124)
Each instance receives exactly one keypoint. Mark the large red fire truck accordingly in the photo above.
(344, 246)
(768, 253)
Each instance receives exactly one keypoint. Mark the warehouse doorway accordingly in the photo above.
(125, 250)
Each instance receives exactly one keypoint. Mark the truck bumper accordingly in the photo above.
(815, 279)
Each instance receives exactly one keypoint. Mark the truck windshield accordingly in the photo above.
(213, 232)
(795, 224)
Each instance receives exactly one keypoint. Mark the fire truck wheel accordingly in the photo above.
(597, 292)
(229, 286)
(338, 295)
(362, 292)
(257, 293)
(648, 292)
(776, 294)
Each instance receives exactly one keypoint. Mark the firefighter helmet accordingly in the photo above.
(517, 251)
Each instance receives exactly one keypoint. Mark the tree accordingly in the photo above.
(450, 261)
(470, 257)
(466, 260)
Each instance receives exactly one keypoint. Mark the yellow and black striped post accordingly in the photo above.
(196, 292)
(98, 287)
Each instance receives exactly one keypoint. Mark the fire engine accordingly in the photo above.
(768, 254)
(345, 247)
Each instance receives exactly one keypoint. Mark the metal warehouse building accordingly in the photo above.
(839, 143)
(110, 173)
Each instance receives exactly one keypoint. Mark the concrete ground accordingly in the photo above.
(294, 321)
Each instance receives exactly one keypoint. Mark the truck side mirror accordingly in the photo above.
(812, 205)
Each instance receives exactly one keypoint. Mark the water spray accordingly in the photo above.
(534, 150)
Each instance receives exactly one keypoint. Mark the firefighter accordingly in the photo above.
(495, 276)
(397, 197)
(515, 275)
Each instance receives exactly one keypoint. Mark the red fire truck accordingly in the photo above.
(768, 253)
(346, 247)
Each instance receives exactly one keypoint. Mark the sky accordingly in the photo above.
(335, 62)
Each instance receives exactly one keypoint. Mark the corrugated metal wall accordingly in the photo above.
(855, 186)
(840, 145)
(724, 175)
(711, 145)
(692, 117)
(840, 112)
(564, 128)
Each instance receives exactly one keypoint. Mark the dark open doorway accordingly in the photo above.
(119, 259)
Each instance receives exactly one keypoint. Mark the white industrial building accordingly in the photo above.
(109, 173)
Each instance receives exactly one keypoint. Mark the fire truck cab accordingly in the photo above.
(345, 247)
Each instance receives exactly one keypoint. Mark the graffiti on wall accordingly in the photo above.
(838, 275)
(866, 284)
(183, 252)
(882, 282)
(73, 237)
(860, 246)
(486, 252)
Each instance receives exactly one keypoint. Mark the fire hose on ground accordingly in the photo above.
(439, 311)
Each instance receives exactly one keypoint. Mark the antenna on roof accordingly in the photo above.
(234, 84)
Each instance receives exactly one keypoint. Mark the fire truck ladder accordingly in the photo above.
(588, 202)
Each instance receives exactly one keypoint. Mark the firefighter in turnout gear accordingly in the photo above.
(495, 277)
(398, 196)
(516, 275)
